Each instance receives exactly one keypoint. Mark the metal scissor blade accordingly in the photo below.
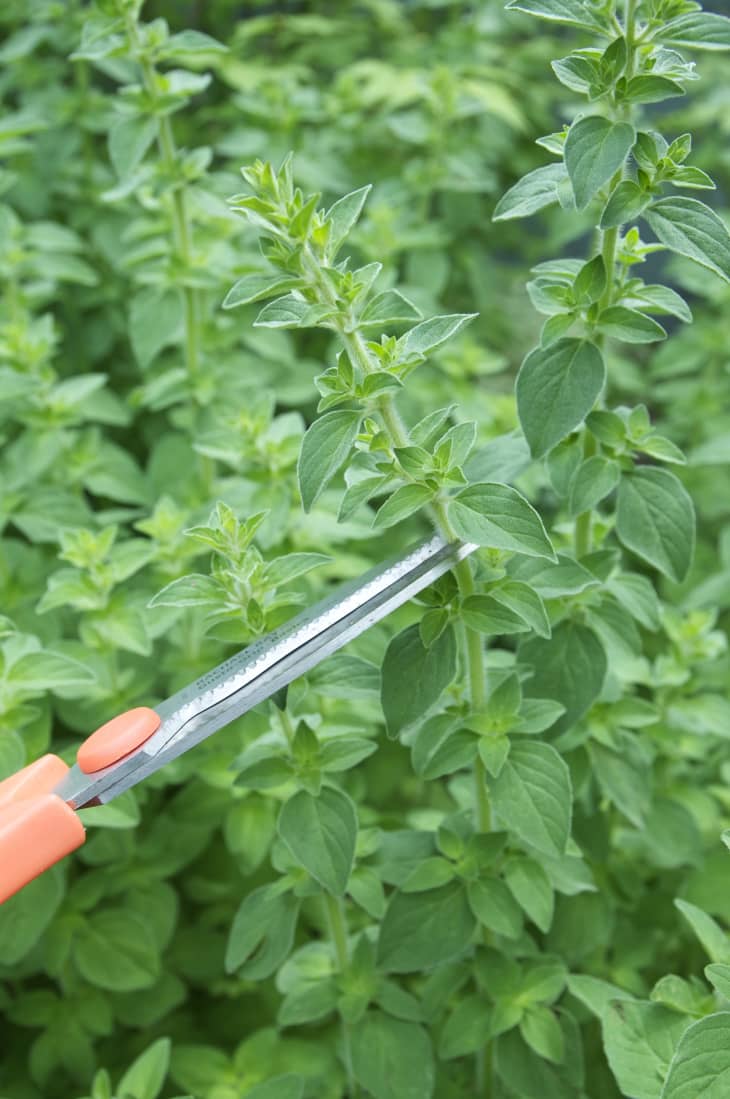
(255, 673)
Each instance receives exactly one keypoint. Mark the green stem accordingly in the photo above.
(630, 34)
(397, 432)
(180, 214)
(338, 934)
(583, 535)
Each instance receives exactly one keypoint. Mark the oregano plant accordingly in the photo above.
(481, 852)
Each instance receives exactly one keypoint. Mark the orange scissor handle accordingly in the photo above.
(37, 828)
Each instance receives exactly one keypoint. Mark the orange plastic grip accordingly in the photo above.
(37, 828)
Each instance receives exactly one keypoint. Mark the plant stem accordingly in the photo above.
(338, 934)
(583, 537)
(397, 433)
(180, 214)
(398, 436)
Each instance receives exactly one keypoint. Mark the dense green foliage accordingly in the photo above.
(479, 853)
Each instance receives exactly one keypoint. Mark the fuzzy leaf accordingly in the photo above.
(320, 832)
(594, 150)
(414, 676)
(500, 517)
(533, 192)
(533, 796)
(655, 519)
(325, 446)
(556, 388)
(690, 228)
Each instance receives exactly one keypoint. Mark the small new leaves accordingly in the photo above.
(499, 516)
(595, 149)
(557, 387)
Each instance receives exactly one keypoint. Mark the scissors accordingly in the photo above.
(38, 821)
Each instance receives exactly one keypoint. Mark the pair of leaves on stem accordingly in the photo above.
(594, 152)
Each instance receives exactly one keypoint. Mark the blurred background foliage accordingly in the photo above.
(112, 448)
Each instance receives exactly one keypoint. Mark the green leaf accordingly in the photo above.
(194, 590)
(320, 832)
(123, 812)
(282, 570)
(624, 776)
(404, 502)
(343, 214)
(533, 796)
(593, 481)
(116, 950)
(279, 1087)
(639, 1039)
(145, 1077)
(718, 974)
(414, 676)
(533, 192)
(188, 42)
(48, 671)
(574, 13)
(595, 993)
(714, 940)
(388, 308)
(155, 321)
(290, 311)
(421, 930)
(431, 874)
(651, 88)
(467, 1028)
(629, 325)
(557, 387)
(393, 1059)
(485, 614)
(662, 299)
(440, 747)
(655, 519)
(590, 282)
(129, 140)
(25, 916)
(262, 932)
(494, 906)
(700, 30)
(569, 668)
(255, 287)
(541, 1030)
(636, 594)
(553, 581)
(532, 889)
(595, 149)
(690, 228)
(434, 332)
(325, 446)
(701, 1063)
(500, 517)
(625, 203)
(525, 602)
